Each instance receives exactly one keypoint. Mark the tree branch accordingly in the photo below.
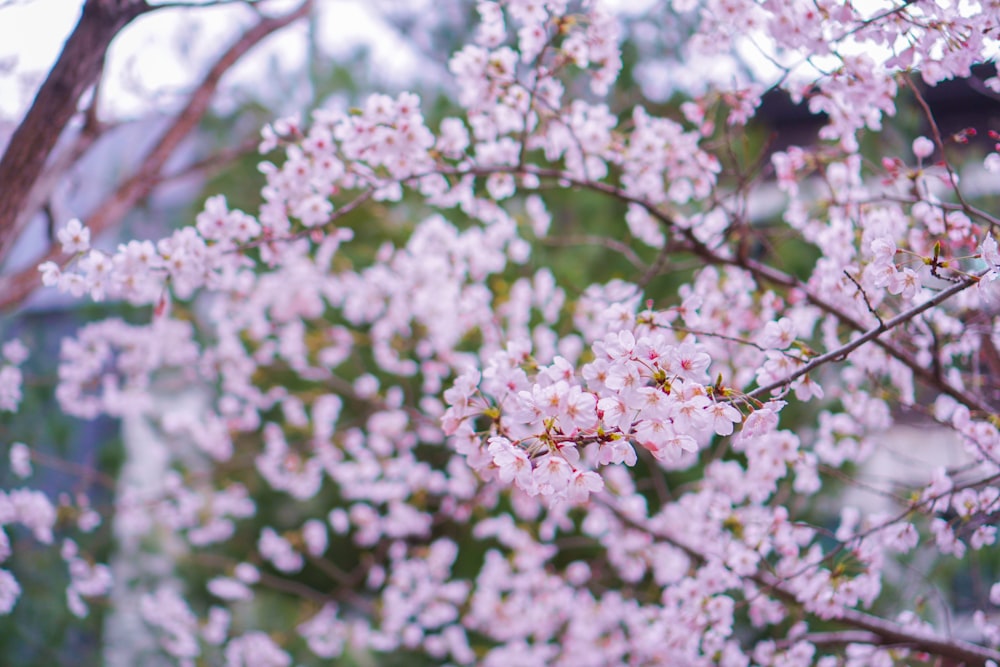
(16, 287)
(841, 352)
(79, 66)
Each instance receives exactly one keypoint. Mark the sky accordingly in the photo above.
(161, 54)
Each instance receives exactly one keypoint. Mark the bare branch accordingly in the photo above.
(216, 160)
(41, 194)
(832, 638)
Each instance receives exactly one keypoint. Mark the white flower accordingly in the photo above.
(778, 335)
(582, 484)
(990, 254)
(992, 163)
(512, 462)
(923, 147)
(20, 460)
(74, 237)
(884, 250)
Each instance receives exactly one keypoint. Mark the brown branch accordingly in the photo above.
(919, 370)
(85, 472)
(874, 19)
(657, 267)
(832, 638)
(758, 270)
(16, 287)
(79, 66)
(938, 141)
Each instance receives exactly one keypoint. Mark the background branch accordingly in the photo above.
(15, 287)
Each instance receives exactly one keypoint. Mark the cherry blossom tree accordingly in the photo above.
(640, 469)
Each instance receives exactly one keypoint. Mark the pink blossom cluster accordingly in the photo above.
(549, 430)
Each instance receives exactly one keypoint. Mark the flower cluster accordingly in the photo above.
(550, 429)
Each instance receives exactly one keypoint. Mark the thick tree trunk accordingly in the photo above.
(79, 66)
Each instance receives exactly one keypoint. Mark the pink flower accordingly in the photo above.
(884, 251)
(689, 362)
(660, 439)
(690, 414)
(579, 410)
(723, 416)
(778, 335)
(20, 460)
(512, 462)
(552, 476)
(615, 413)
(10, 591)
(582, 484)
(229, 589)
(763, 420)
(279, 551)
(905, 283)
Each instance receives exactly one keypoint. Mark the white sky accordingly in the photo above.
(161, 54)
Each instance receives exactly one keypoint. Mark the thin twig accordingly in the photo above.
(611, 244)
(938, 141)
(843, 351)
(864, 295)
